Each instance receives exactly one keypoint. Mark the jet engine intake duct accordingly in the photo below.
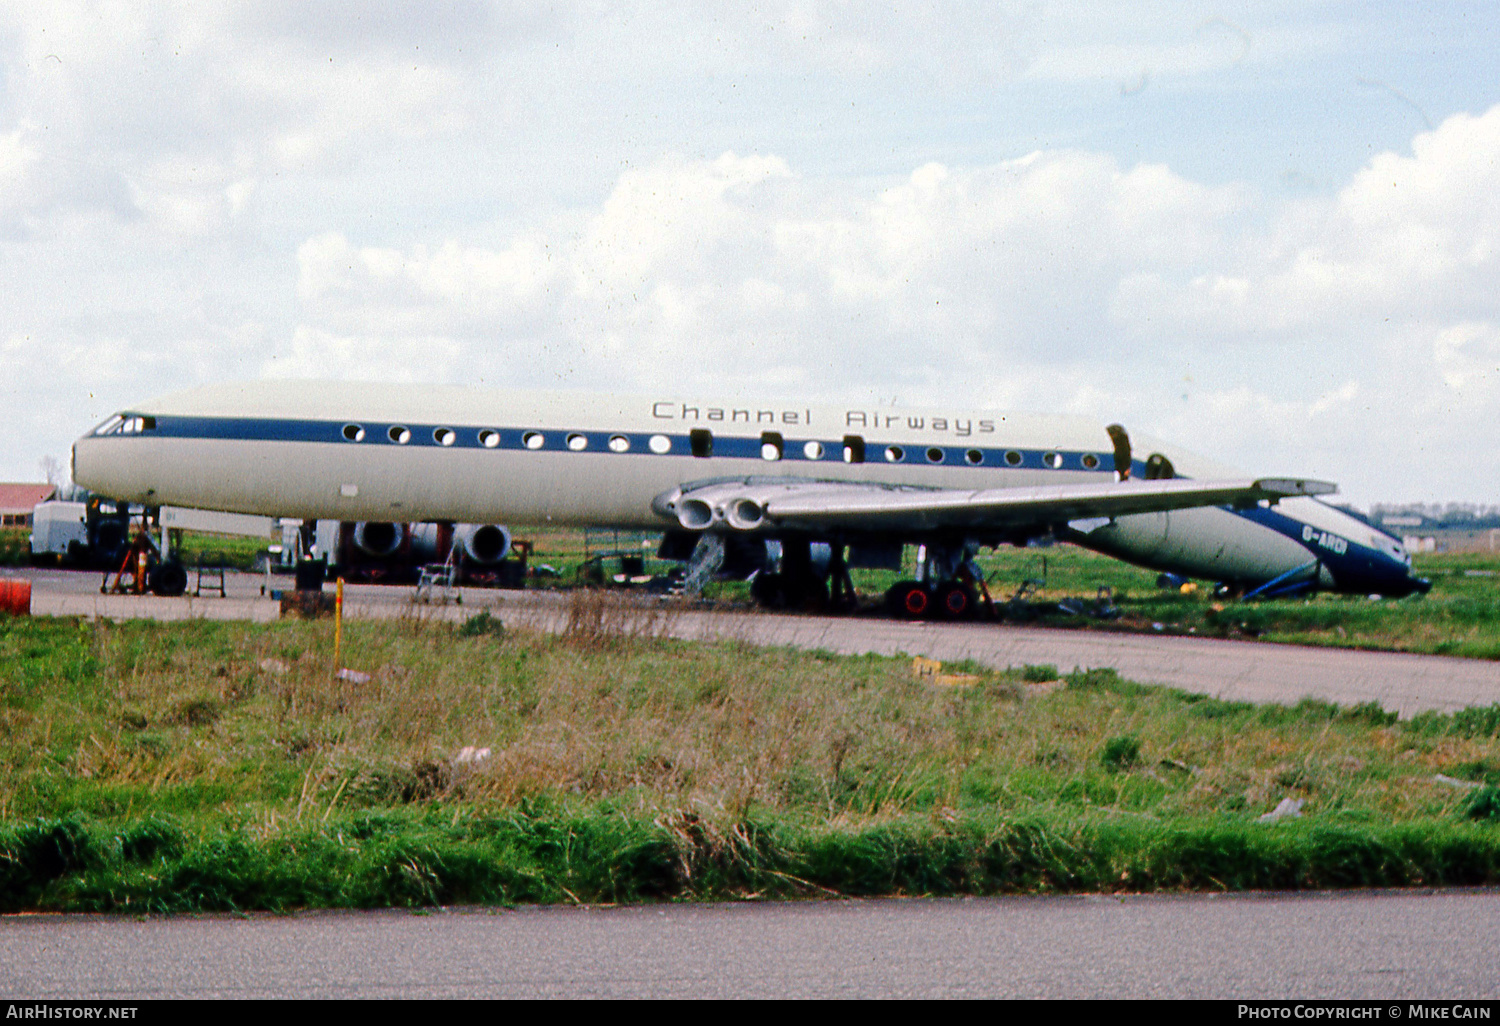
(744, 514)
(737, 505)
(378, 538)
(694, 514)
(484, 544)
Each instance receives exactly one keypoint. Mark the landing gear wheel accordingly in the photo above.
(956, 601)
(169, 580)
(910, 599)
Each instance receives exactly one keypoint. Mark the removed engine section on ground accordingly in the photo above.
(482, 555)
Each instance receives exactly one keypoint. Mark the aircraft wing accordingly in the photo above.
(752, 505)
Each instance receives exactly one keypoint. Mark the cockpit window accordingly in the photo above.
(126, 424)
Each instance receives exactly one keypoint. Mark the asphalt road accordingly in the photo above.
(1240, 670)
(1382, 945)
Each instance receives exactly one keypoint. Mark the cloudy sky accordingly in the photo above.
(1262, 229)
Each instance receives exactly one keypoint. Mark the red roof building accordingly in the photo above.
(17, 500)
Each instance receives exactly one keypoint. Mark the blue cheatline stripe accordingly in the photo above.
(261, 429)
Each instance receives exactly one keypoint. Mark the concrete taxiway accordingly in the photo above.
(1240, 670)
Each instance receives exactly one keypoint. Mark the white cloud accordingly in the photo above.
(313, 353)
(1056, 280)
(489, 191)
(1468, 357)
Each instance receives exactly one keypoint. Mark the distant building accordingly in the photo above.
(17, 501)
(1454, 527)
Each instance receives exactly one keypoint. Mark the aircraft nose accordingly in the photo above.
(1401, 583)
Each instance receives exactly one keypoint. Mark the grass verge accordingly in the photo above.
(550, 856)
(158, 767)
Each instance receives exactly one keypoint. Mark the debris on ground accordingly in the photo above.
(1287, 808)
(353, 676)
(470, 754)
(930, 670)
(1466, 785)
(1179, 766)
(274, 666)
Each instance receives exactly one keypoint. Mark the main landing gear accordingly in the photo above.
(802, 582)
(949, 586)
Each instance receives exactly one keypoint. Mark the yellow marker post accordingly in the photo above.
(338, 625)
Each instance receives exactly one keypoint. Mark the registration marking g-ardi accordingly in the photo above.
(1332, 542)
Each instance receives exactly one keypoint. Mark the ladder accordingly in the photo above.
(440, 581)
(211, 572)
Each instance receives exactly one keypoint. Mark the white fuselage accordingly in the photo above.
(364, 452)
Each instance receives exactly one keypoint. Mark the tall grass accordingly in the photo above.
(224, 765)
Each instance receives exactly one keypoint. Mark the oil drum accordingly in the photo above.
(15, 597)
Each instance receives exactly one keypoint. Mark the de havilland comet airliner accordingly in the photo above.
(790, 495)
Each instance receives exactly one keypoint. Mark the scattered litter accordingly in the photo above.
(930, 670)
(274, 666)
(470, 754)
(1466, 785)
(1288, 808)
(1180, 766)
(1479, 573)
(353, 676)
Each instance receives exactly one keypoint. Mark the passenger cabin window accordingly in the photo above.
(813, 450)
(771, 446)
(619, 443)
(354, 433)
(934, 455)
(660, 444)
(399, 434)
(854, 449)
(489, 439)
(444, 436)
(894, 454)
(702, 442)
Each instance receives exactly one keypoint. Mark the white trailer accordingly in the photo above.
(60, 529)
